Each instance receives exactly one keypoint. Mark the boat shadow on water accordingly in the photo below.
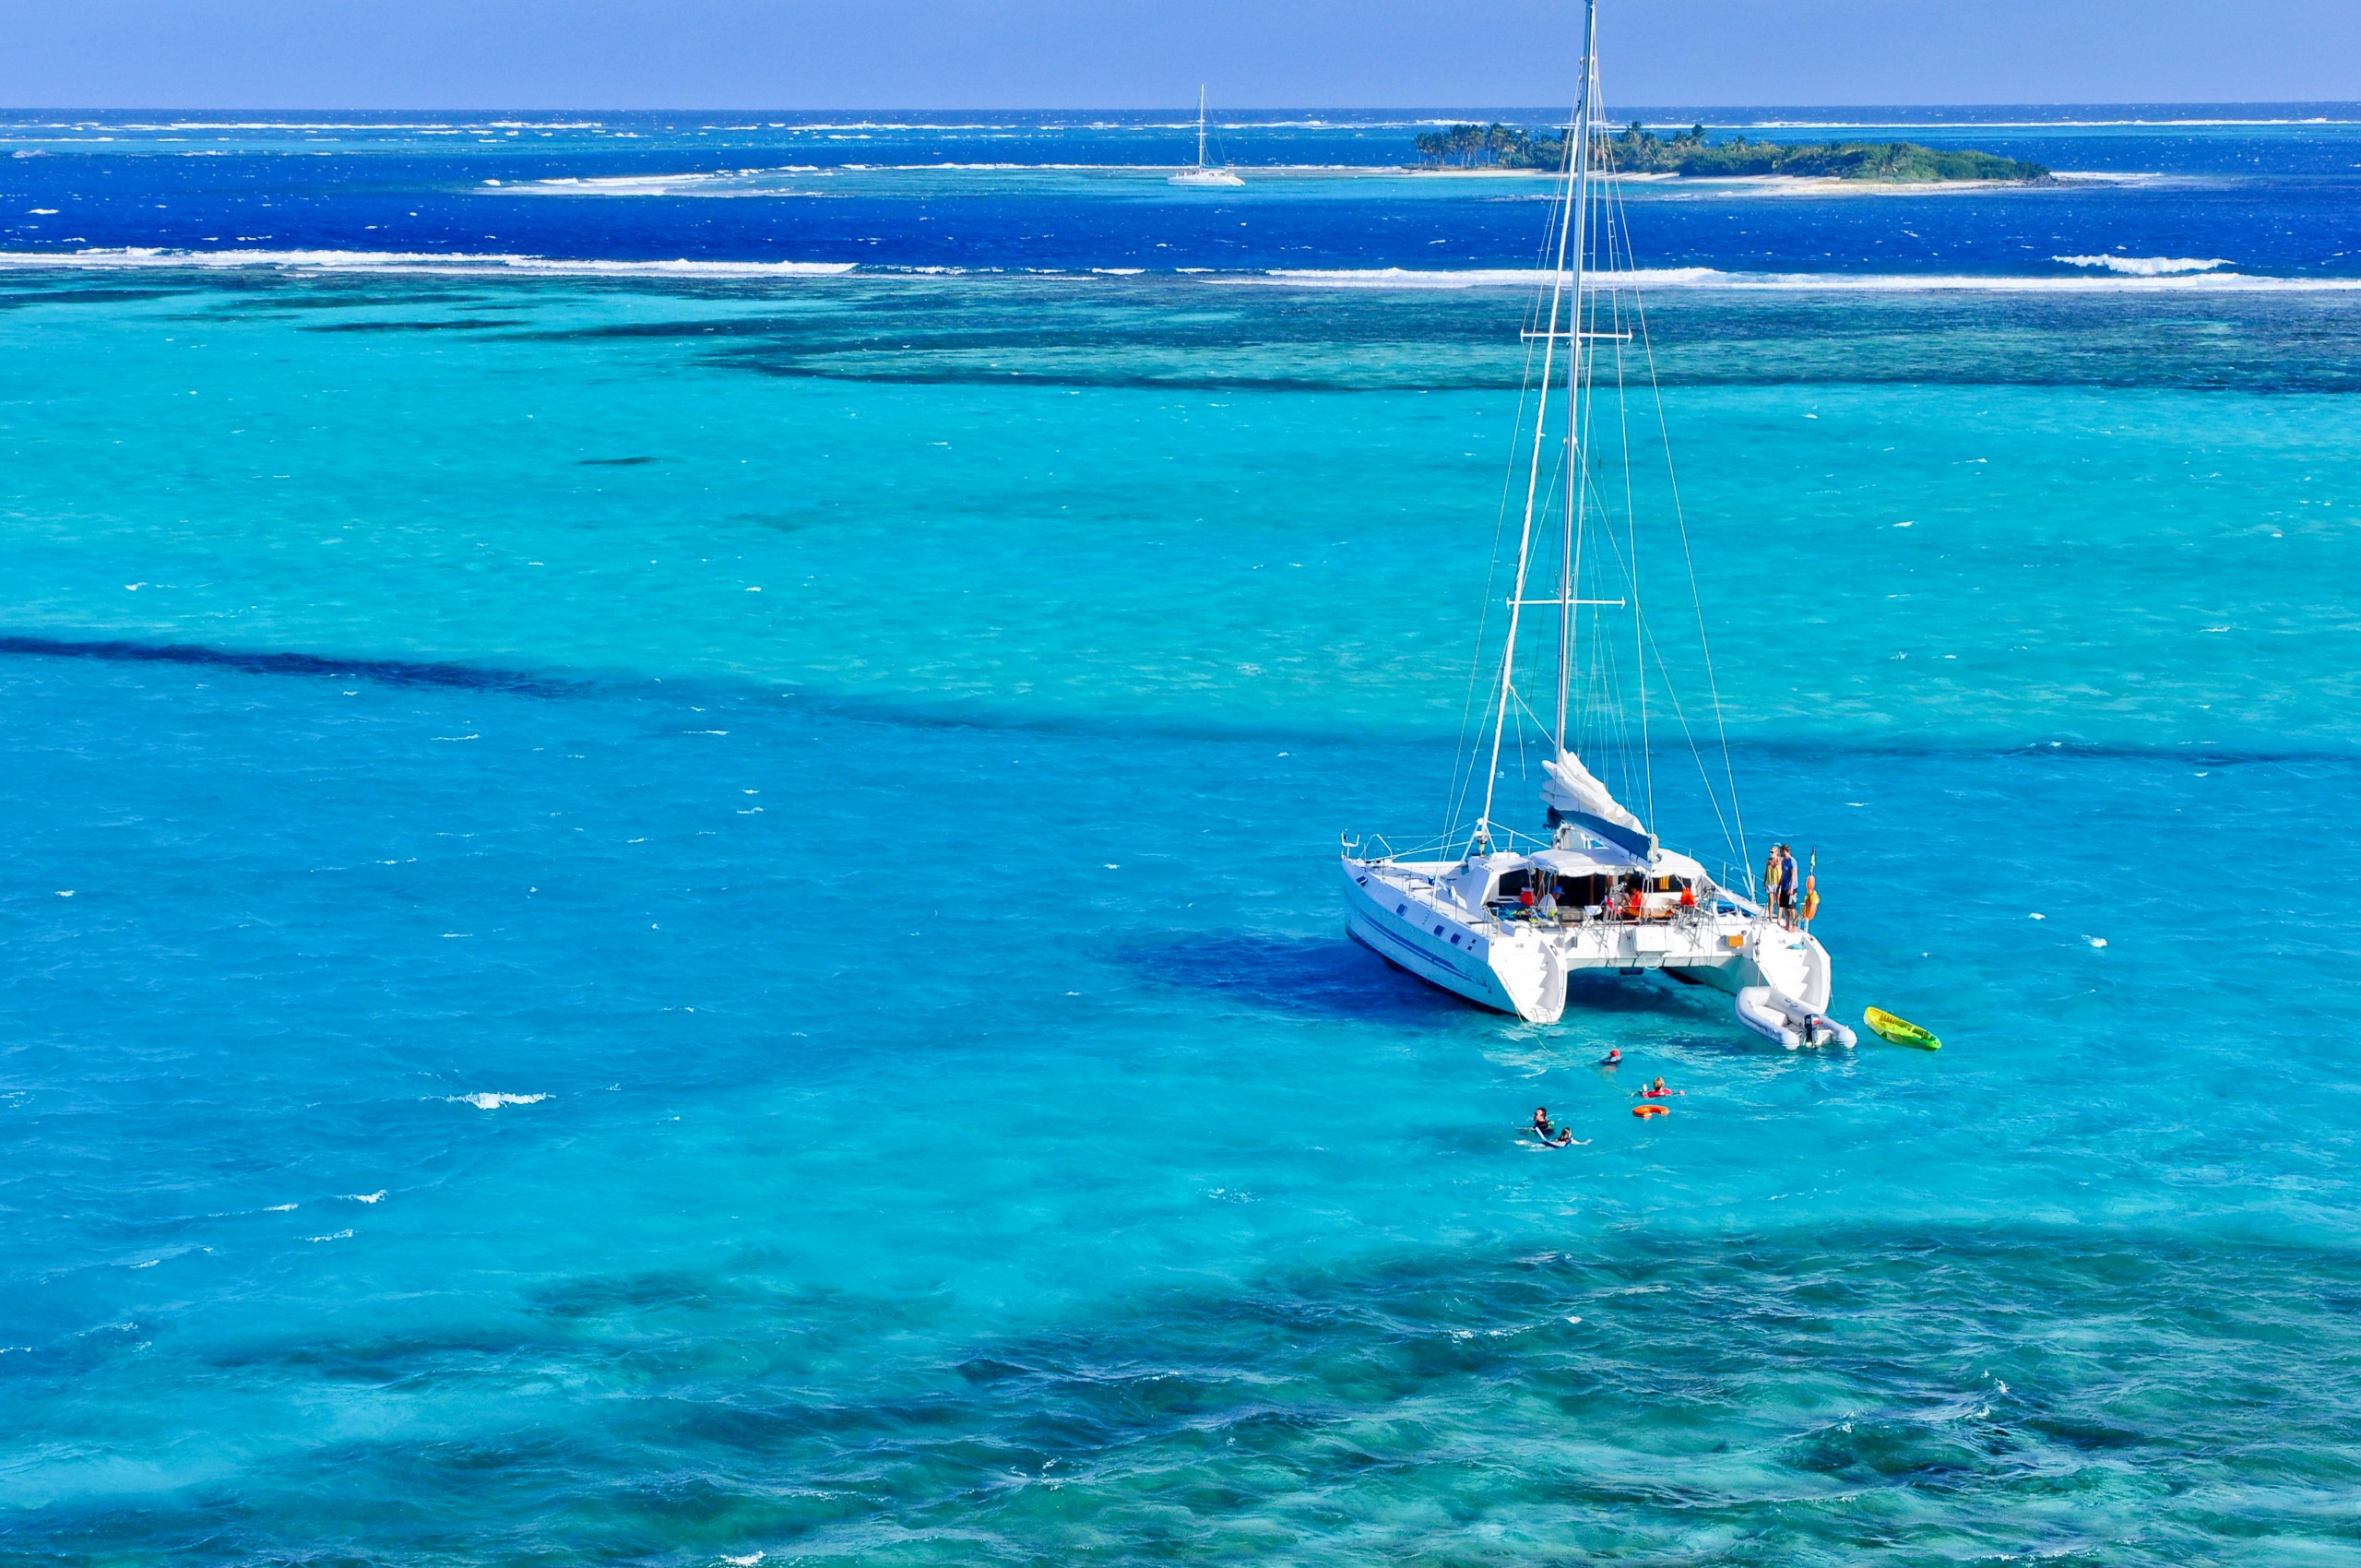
(1610, 994)
(1304, 977)
(1319, 976)
(1635, 1015)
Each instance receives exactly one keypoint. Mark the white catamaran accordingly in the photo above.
(1204, 173)
(1503, 917)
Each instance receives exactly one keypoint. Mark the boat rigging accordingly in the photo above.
(1502, 917)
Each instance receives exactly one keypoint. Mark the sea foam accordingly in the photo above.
(2145, 266)
(2109, 273)
(141, 257)
(2110, 279)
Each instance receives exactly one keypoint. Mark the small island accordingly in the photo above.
(1638, 151)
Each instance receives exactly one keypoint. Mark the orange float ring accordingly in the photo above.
(1644, 1112)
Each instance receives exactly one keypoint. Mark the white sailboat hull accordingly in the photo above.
(1404, 912)
(1508, 971)
(1203, 173)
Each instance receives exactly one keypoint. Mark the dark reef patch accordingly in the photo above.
(383, 671)
(471, 324)
(1788, 1390)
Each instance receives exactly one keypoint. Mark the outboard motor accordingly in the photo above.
(1786, 1021)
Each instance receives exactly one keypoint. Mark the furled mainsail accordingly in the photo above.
(1575, 793)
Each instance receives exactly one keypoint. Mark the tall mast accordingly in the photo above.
(1201, 125)
(1577, 176)
(1577, 459)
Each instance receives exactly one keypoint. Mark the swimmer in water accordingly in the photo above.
(1614, 1057)
(1555, 1137)
(1655, 1091)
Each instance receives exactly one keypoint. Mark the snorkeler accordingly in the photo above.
(1614, 1057)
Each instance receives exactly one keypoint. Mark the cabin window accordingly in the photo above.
(1582, 890)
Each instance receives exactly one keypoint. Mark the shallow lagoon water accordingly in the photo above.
(552, 1055)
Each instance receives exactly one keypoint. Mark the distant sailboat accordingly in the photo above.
(1204, 173)
(1505, 917)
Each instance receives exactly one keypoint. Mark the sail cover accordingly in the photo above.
(1575, 793)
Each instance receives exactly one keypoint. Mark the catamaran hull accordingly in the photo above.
(1520, 968)
(1445, 949)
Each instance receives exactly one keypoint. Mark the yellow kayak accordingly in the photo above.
(1899, 1031)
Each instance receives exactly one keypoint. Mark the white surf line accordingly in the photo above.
(2145, 266)
(2113, 281)
(152, 259)
(2117, 274)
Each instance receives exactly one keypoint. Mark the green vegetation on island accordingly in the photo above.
(1638, 151)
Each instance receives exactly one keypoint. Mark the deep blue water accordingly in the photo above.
(2269, 190)
(661, 916)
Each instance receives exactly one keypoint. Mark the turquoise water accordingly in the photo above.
(516, 1047)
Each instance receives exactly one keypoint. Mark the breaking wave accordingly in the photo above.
(2098, 274)
(136, 257)
(2144, 266)
(2189, 274)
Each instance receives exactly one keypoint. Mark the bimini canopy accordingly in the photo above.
(1574, 795)
(1590, 862)
(1606, 861)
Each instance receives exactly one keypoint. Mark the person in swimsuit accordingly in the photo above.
(1655, 1091)
(1556, 1137)
(1614, 1057)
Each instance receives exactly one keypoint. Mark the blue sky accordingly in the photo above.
(1132, 53)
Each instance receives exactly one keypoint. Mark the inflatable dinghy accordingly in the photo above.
(1785, 1021)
